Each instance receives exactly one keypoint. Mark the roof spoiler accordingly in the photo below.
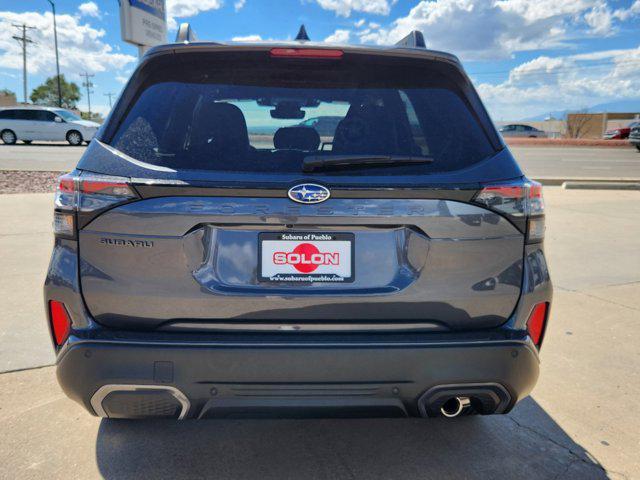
(185, 34)
(414, 40)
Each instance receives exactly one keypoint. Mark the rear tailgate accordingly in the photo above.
(182, 259)
(213, 150)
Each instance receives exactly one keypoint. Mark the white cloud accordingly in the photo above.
(122, 79)
(339, 36)
(247, 38)
(627, 13)
(239, 4)
(533, 11)
(538, 68)
(600, 19)
(89, 9)
(496, 29)
(571, 82)
(344, 8)
(188, 8)
(359, 23)
(81, 46)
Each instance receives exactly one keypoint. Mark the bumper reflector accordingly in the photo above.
(60, 323)
(536, 322)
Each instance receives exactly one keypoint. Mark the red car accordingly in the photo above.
(620, 133)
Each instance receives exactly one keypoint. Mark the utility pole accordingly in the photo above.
(109, 95)
(87, 83)
(55, 37)
(23, 40)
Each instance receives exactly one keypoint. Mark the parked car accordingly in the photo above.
(197, 275)
(31, 123)
(522, 131)
(325, 126)
(634, 136)
(620, 133)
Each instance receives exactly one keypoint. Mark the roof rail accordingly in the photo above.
(414, 40)
(185, 34)
(302, 34)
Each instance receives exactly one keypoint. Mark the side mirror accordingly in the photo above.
(58, 119)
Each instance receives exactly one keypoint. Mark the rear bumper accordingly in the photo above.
(317, 377)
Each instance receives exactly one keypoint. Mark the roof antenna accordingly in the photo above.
(302, 34)
(185, 34)
(414, 40)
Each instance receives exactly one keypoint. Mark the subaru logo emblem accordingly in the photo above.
(309, 193)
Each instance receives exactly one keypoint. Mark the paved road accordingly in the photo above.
(582, 421)
(537, 162)
(587, 163)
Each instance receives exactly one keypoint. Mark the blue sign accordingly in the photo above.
(154, 7)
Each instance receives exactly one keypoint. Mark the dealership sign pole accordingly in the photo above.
(143, 23)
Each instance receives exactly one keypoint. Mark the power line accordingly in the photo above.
(109, 94)
(24, 40)
(87, 83)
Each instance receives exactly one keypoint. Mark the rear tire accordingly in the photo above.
(638, 147)
(74, 138)
(8, 137)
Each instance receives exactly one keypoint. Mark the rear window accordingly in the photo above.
(247, 112)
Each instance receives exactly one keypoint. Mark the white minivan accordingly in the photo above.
(28, 123)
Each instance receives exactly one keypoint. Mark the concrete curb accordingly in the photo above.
(601, 185)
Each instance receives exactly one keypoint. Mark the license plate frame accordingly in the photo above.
(340, 243)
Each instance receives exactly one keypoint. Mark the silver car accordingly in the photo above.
(29, 123)
(522, 131)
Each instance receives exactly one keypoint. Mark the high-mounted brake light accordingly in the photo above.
(60, 323)
(536, 323)
(521, 201)
(331, 54)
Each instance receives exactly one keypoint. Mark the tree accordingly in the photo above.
(47, 93)
(578, 123)
(95, 117)
(7, 92)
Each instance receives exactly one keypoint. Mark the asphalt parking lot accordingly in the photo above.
(537, 161)
(582, 421)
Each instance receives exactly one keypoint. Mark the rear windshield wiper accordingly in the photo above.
(318, 162)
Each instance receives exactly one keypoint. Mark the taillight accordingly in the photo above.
(86, 193)
(536, 323)
(322, 53)
(60, 323)
(520, 201)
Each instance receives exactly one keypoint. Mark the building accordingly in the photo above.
(593, 125)
(7, 99)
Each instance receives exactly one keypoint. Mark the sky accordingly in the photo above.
(525, 57)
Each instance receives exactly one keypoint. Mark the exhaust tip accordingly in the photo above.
(454, 406)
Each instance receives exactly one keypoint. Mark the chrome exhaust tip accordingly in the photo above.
(455, 406)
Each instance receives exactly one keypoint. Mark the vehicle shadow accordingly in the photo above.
(525, 444)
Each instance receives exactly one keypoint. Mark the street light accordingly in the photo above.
(55, 37)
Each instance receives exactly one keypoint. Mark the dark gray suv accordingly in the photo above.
(215, 258)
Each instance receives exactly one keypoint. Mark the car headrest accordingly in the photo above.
(296, 138)
(222, 126)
